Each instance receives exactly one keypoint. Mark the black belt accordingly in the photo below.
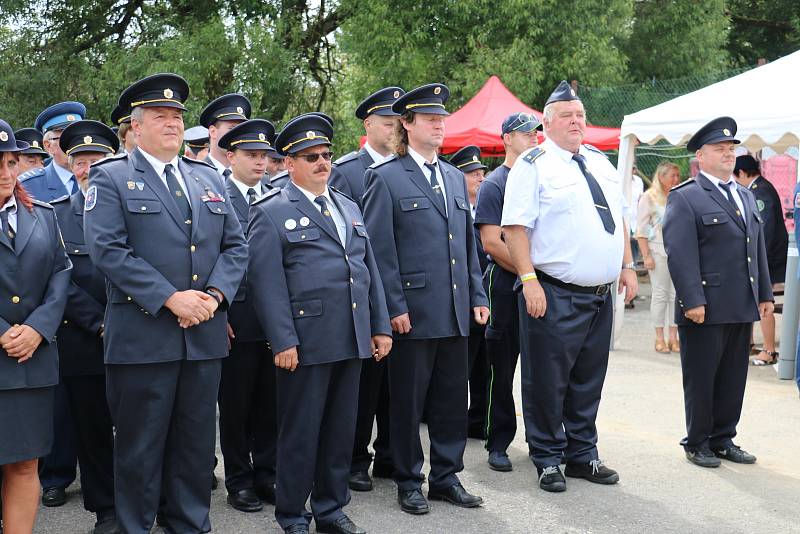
(592, 290)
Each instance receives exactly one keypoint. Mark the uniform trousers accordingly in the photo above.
(165, 419)
(428, 375)
(564, 362)
(248, 416)
(317, 406)
(59, 468)
(714, 360)
(478, 377)
(94, 433)
(373, 406)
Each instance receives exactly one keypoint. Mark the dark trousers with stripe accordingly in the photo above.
(428, 375)
(248, 416)
(714, 360)
(478, 369)
(373, 406)
(502, 341)
(564, 363)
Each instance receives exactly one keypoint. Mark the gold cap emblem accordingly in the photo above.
(310, 134)
(35, 144)
(3, 136)
(437, 90)
(70, 118)
(726, 132)
(474, 158)
(572, 91)
(262, 137)
(397, 94)
(168, 93)
(240, 111)
(87, 140)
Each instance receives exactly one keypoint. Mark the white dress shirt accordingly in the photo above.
(551, 199)
(64, 175)
(338, 219)
(220, 167)
(12, 213)
(377, 158)
(243, 187)
(159, 167)
(734, 190)
(421, 161)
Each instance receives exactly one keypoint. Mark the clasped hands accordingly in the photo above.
(192, 307)
(20, 341)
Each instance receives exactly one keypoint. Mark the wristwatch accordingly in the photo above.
(214, 293)
(631, 266)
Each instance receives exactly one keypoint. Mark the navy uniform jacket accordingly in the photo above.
(139, 240)
(776, 238)
(428, 260)
(80, 348)
(44, 184)
(34, 278)
(280, 180)
(715, 258)
(308, 290)
(242, 315)
(348, 174)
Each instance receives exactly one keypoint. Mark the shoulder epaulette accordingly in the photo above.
(198, 161)
(387, 160)
(41, 204)
(345, 195)
(683, 184)
(595, 149)
(30, 174)
(442, 160)
(347, 157)
(531, 156)
(59, 200)
(116, 157)
(271, 193)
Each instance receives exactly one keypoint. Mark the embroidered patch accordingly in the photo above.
(91, 198)
(760, 204)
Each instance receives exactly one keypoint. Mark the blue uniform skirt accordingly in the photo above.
(26, 424)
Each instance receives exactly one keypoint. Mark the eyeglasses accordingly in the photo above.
(311, 158)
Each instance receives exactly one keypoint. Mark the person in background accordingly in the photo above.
(121, 118)
(196, 143)
(776, 239)
(33, 156)
(651, 243)
(637, 190)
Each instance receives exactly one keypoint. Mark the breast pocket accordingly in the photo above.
(217, 208)
(143, 206)
(360, 231)
(414, 204)
(76, 249)
(461, 203)
(714, 219)
(299, 236)
(559, 194)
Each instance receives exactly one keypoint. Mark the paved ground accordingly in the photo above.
(640, 424)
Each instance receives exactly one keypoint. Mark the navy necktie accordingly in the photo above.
(177, 193)
(251, 196)
(598, 197)
(226, 174)
(437, 188)
(7, 226)
(321, 201)
(72, 185)
(727, 188)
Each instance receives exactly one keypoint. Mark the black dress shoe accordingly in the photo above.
(551, 479)
(343, 525)
(703, 458)
(413, 502)
(266, 492)
(360, 481)
(54, 496)
(382, 471)
(297, 528)
(735, 454)
(498, 461)
(107, 526)
(245, 500)
(593, 471)
(455, 494)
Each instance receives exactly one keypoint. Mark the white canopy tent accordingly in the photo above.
(766, 107)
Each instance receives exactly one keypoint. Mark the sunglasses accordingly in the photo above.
(311, 158)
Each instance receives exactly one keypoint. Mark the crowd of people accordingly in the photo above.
(308, 299)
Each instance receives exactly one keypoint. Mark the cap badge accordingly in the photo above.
(87, 140)
(262, 137)
(572, 91)
(396, 94)
(726, 132)
(70, 118)
(437, 90)
(168, 93)
(310, 134)
(3, 136)
(35, 144)
(240, 111)
(474, 158)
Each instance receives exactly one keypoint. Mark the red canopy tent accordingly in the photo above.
(478, 122)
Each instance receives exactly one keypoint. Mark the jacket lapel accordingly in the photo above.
(239, 202)
(195, 191)
(366, 159)
(311, 211)
(148, 175)
(346, 215)
(451, 186)
(77, 201)
(54, 183)
(26, 222)
(720, 199)
(421, 182)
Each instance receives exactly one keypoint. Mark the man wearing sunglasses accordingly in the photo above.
(318, 295)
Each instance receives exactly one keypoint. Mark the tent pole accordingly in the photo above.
(627, 146)
(787, 362)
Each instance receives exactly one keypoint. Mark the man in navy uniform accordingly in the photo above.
(713, 234)
(380, 124)
(564, 228)
(33, 156)
(318, 294)
(162, 230)
(417, 212)
(274, 162)
(197, 143)
(219, 116)
(80, 336)
(468, 161)
(518, 132)
(58, 469)
(247, 412)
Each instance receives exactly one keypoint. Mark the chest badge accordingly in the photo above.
(304, 221)
(290, 224)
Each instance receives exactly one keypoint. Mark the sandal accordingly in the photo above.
(661, 347)
(760, 362)
(674, 345)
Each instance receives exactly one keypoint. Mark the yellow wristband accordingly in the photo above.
(528, 276)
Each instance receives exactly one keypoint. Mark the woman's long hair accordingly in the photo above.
(401, 135)
(656, 190)
(19, 190)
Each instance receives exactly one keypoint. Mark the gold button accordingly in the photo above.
(193, 248)
(76, 251)
(143, 208)
(455, 286)
(302, 236)
(715, 220)
(752, 279)
(351, 281)
(354, 305)
(748, 239)
(415, 204)
(450, 235)
(194, 277)
(453, 261)
(129, 299)
(65, 321)
(219, 210)
(408, 284)
(302, 312)
(749, 260)
(704, 282)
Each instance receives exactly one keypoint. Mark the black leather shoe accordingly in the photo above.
(382, 471)
(703, 458)
(106, 524)
(343, 525)
(498, 461)
(360, 481)
(245, 500)
(54, 497)
(266, 492)
(413, 502)
(734, 453)
(551, 479)
(455, 494)
(593, 471)
(297, 528)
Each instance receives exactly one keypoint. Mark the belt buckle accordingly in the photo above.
(601, 290)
